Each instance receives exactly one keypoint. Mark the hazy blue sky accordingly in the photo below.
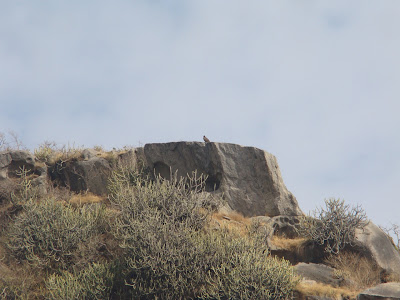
(316, 83)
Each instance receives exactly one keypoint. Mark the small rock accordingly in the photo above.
(319, 273)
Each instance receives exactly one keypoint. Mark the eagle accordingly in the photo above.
(206, 139)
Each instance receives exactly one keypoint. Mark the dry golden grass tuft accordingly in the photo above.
(392, 277)
(109, 155)
(312, 288)
(73, 154)
(360, 272)
(88, 198)
(233, 221)
(288, 244)
(232, 216)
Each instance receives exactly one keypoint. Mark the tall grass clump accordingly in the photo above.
(333, 227)
(170, 253)
(46, 233)
(359, 272)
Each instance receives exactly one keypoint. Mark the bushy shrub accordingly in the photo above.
(94, 282)
(333, 227)
(241, 268)
(47, 232)
(180, 201)
(170, 255)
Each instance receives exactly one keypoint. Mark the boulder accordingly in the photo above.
(88, 154)
(286, 226)
(248, 178)
(319, 273)
(11, 163)
(133, 158)
(376, 244)
(390, 290)
(85, 175)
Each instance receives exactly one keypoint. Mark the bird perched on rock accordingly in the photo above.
(206, 139)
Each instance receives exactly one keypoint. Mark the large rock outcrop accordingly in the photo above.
(249, 178)
(373, 242)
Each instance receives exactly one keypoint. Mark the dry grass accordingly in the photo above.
(312, 288)
(358, 271)
(87, 198)
(392, 277)
(232, 216)
(72, 154)
(233, 221)
(288, 244)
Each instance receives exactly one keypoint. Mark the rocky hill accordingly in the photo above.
(247, 179)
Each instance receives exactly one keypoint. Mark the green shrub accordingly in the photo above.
(333, 227)
(47, 232)
(94, 282)
(241, 268)
(180, 201)
(169, 254)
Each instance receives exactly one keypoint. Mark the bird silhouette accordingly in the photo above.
(206, 139)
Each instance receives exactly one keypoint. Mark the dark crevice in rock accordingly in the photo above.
(162, 169)
(213, 182)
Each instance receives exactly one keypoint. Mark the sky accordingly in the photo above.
(316, 83)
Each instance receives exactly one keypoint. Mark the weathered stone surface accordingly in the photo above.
(249, 178)
(132, 158)
(390, 290)
(88, 154)
(373, 242)
(87, 175)
(285, 225)
(11, 165)
(12, 161)
(41, 182)
(319, 273)
(281, 225)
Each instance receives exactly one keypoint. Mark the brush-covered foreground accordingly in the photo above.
(156, 239)
(151, 239)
